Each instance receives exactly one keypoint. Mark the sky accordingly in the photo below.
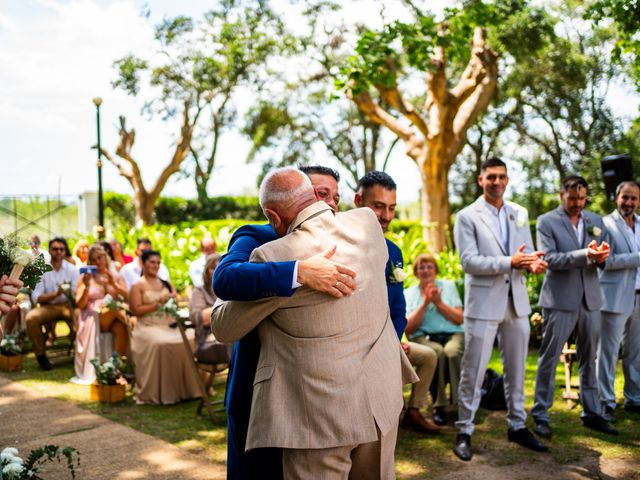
(57, 55)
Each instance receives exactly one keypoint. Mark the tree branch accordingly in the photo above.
(393, 97)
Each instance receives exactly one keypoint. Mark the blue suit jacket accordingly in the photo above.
(397, 302)
(236, 279)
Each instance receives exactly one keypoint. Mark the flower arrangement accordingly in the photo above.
(110, 303)
(10, 345)
(13, 467)
(110, 372)
(19, 263)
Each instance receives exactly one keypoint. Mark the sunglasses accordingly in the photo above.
(57, 249)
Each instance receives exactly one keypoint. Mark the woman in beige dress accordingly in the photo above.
(163, 374)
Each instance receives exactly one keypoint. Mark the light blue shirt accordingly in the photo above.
(499, 220)
(434, 321)
(634, 237)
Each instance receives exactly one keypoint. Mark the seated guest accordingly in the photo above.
(200, 307)
(207, 247)
(80, 253)
(435, 320)
(34, 242)
(95, 317)
(132, 271)
(53, 292)
(163, 374)
(114, 266)
(119, 256)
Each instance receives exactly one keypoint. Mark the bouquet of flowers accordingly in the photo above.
(170, 307)
(110, 303)
(13, 467)
(110, 372)
(19, 263)
(10, 346)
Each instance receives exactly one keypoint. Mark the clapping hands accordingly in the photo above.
(598, 253)
(532, 262)
(432, 294)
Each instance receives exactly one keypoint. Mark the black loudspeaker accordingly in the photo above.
(615, 170)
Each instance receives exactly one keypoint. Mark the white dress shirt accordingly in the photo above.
(50, 281)
(499, 220)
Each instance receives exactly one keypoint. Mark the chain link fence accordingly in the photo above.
(45, 216)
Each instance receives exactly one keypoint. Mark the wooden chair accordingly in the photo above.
(568, 357)
(211, 368)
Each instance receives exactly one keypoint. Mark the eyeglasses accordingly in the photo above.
(57, 249)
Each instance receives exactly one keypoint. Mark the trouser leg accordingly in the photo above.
(479, 337)
(556, 329)
(375, 460)
(513, 337)
(611, 331)
(588, 331)
(40, 316)
(453, 350)
(425, 359)
(631, 357)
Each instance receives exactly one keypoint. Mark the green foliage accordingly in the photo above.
(12, 467)
(109, 372)
(129, 70)
(171, 210)
(10, 345)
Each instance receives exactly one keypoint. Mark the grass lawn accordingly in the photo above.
(417, 456)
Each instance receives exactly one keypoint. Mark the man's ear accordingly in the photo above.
(274, 218)
(357, 199)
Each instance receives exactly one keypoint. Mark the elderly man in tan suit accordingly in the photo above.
(328, 387)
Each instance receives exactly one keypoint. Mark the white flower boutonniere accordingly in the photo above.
(397, 274)
(594, 231)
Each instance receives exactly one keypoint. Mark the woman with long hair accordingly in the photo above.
(163, 373)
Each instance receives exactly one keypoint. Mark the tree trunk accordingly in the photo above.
(436, 212)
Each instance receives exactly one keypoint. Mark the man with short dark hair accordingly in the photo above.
(325, 183)
(620, 285)
(53, 292)
(495, 247)
(377, 190)
(131, 271)
(571, 300)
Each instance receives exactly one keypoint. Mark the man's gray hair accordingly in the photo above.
(276, 187)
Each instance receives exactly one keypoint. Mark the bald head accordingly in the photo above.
(284, 193)
(208, 245)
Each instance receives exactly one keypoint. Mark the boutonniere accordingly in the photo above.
(594, 231)
(398, 274)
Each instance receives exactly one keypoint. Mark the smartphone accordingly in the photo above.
(90, 269)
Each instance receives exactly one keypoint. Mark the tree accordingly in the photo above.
(434, 126)
(201, 66)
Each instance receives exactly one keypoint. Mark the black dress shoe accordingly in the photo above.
(526, 439)
(543, 429)
(439, 416)
(632, 408)
(608, 414)
(462, 449)
(599, 424)
(44, 362)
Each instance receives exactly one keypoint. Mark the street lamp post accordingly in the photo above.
(97, 102)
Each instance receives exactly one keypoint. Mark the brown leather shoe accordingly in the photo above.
(414, 420)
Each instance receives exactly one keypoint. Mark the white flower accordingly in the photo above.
(597, 232)
(399, 274)
(9, 452)
(13, 469)
(22, 257)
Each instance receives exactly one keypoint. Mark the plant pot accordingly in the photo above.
(107, 393)
(11, 363)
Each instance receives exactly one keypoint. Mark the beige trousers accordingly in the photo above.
(425, 359)
(42, 315)
(449, 360)
(371, 461)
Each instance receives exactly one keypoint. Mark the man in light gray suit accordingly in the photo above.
(571, 299)
(495, 247)
(620, 284)
(328, 386)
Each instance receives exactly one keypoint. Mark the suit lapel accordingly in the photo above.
(623, 230)
(564, 218)
(485, 216)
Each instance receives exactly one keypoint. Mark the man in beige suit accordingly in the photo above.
(328, 387)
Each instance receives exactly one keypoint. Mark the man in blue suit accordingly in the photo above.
(377, 191)
(237, 279)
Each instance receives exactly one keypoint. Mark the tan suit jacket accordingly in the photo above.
(329, 369)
